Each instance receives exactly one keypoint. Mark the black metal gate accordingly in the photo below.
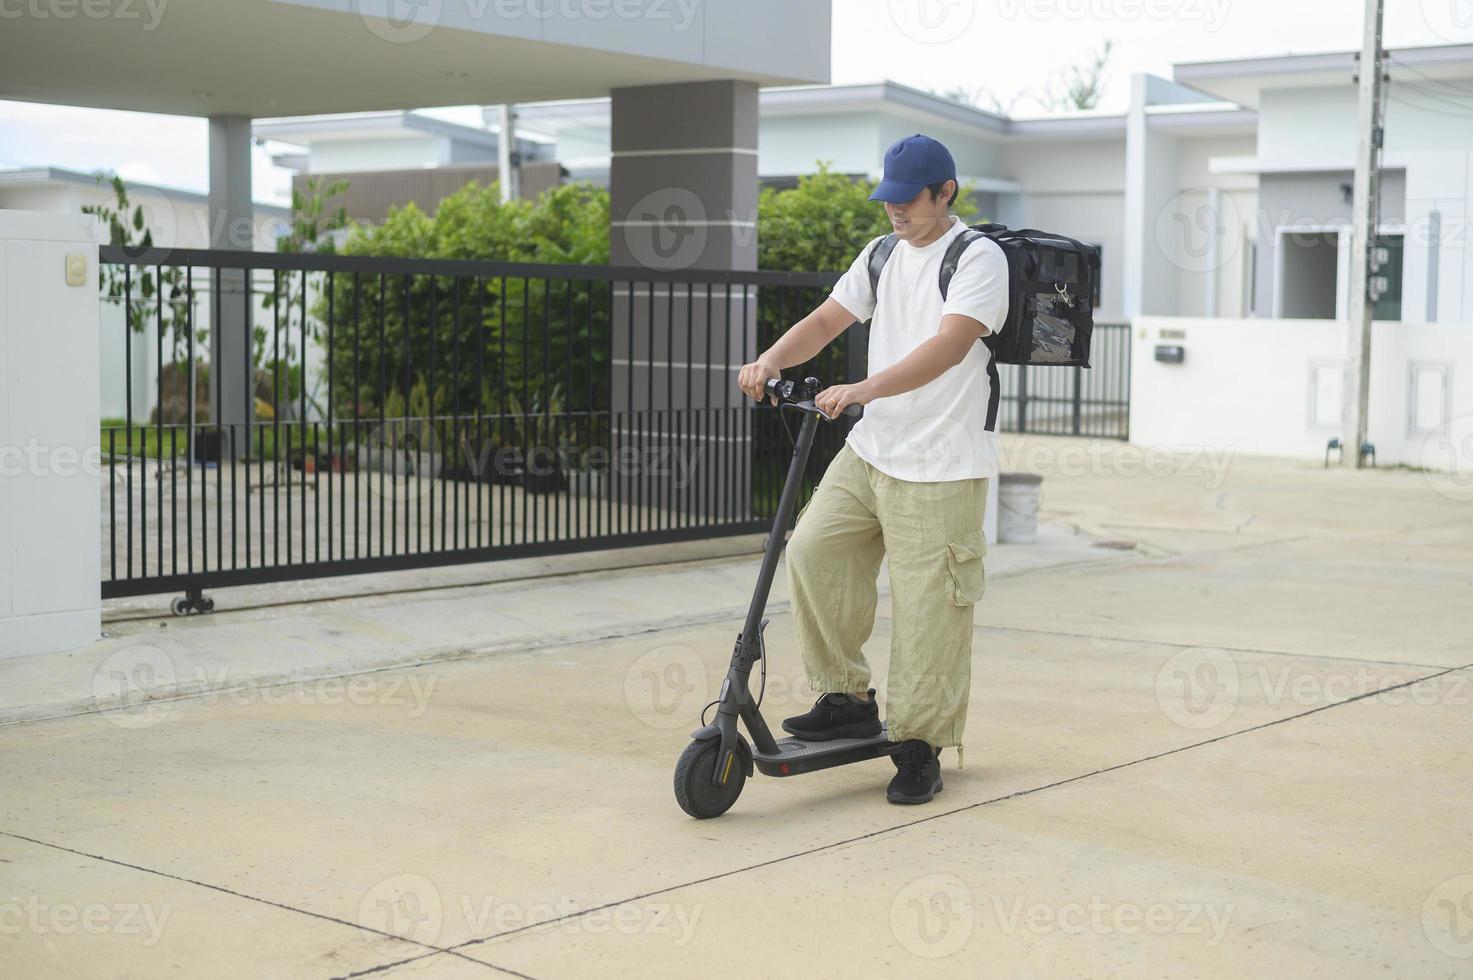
(1073, 401)
(372, 414)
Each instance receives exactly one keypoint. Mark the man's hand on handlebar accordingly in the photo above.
(835, 398)
(752, 379)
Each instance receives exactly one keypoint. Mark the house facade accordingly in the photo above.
(1221, 191)
(1303, 164)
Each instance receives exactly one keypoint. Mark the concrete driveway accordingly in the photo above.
(1221, 725)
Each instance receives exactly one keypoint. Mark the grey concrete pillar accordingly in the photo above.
(231, 226)
(683, 190)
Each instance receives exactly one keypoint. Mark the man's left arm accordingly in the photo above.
(980, 286)
(921, 366)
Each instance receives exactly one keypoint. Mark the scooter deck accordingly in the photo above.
(795, 756)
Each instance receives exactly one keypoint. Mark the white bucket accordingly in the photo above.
(1017, 507)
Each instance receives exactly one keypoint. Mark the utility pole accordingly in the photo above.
(508, 160)
(1366, 209)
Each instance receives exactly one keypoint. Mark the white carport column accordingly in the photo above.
(683, 189)
(231, 227)
(50, 463)
(1151, 269)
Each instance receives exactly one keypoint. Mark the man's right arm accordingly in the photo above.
(799, 343)
(852, 300)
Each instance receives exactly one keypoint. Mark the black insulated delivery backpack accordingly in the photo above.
(1051, 288)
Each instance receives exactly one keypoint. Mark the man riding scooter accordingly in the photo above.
(910, 481)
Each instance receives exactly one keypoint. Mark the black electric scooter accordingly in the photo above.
(714, 767)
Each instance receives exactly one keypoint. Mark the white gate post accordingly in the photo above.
(50, 459)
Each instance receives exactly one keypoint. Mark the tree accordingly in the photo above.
(160, 294)
(981, 97)
(1078, 86)
(311, 228)
(309, 223)
(405, 329)
(820, 225)
(157, 294)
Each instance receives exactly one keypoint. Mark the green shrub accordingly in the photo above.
(818, 226)
(528, 332)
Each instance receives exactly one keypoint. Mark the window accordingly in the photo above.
(1308, 277)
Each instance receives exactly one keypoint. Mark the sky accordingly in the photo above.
(1011, 48)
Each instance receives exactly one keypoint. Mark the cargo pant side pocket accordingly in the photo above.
(966, 568)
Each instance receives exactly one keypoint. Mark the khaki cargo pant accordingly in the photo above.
(932, 533)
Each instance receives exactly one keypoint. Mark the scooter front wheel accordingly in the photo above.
(694, 790)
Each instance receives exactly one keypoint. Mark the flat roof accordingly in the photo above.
(301, 57)
(1206, 117)
(377, 125)
(40, 176)
(804, 99)
(1241, 80)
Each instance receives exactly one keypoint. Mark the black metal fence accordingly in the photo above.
(1073, 401)
(372, 414)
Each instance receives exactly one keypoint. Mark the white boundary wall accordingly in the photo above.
(50, 531)
(1273, 387)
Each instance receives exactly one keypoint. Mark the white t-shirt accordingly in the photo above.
(937, 431)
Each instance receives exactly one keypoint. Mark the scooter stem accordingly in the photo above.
(752, 630)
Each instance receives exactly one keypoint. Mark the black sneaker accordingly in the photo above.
(919, 775)
(837, 716)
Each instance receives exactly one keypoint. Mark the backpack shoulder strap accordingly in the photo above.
(879, 254)
(953, 255)
(949, 262)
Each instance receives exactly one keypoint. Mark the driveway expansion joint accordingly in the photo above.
(861, 838)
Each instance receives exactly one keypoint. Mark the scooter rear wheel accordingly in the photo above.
(693, 789)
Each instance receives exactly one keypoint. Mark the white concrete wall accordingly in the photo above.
(1316, 126)
(1207, 227)
(974, 150)
(178, 219)
(1307, 127)
(1437, 271)
(1273, 387)
(1429, 136)
(50, 532)
(1075, 188)
(113, 361)
(115, 345)
(794, 144)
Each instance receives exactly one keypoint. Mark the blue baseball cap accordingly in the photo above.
(911, 164)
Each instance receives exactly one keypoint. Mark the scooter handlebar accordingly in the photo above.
(802, 393)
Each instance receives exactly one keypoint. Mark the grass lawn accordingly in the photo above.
(172, 441)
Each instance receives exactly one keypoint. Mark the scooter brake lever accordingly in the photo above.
(811, 406)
